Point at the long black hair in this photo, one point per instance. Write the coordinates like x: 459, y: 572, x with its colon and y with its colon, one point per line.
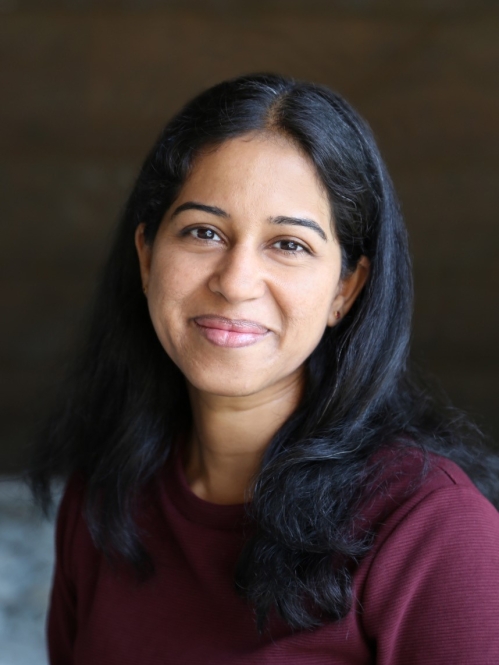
x: 125, y: 403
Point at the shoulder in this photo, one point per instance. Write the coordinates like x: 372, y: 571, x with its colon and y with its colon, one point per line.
x: 446, y: 508
x: 71, y: 505
x: 72, y: 534
x: 442, y: 490
x: 407, y: 477
x: 436, y: 504
x: 433, y: 573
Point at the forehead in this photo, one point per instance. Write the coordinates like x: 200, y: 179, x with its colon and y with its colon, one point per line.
x: 265, y: 171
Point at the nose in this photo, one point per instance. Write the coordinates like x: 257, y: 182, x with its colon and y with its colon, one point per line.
x: 238, y: 276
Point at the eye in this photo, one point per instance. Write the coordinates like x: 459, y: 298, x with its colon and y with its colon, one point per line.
x: 291, y: 247
x: 202, y: 233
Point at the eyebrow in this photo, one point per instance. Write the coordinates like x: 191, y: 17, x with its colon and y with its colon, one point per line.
x: 281, y: 219
x: 299, y: 221
x: 191, y: 205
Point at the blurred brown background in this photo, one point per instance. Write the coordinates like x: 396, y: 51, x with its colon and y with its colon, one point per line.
x: 86, y: 86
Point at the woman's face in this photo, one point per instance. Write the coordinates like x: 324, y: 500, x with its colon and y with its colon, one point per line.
x: 243, y: 275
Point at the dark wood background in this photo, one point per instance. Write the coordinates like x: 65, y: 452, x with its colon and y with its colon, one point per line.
x: 86, y: 86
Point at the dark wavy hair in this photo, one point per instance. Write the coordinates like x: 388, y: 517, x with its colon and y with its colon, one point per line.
x: 125, y: 404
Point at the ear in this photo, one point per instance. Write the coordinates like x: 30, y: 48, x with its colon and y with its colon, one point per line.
x: 348, y: 290
x: 144, y: 252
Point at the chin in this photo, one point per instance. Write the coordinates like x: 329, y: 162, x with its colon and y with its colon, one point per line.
x: 224, y: 386
x: 224, y: 390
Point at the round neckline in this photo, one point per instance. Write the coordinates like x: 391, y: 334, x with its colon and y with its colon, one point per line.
x: 195, y: 509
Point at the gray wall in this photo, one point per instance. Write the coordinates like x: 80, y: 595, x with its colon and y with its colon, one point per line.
x: 86, y: 86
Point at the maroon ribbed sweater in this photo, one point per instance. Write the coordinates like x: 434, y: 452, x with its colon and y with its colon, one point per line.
x: 427, y: 593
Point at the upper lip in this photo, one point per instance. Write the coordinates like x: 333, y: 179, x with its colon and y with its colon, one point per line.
x: 232, y: 325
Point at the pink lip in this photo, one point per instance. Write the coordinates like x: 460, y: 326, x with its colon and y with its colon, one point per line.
x: 231, y: 333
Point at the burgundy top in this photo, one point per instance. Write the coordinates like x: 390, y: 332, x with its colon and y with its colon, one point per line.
x: 427, y: 593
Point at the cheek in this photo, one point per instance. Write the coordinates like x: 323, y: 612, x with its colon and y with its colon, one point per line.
x: 308, y: 306
x: 171, y: 280
x: 167, y: 289
x: 313, y: 295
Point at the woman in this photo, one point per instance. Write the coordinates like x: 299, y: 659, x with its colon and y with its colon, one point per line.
x: 255, y: 474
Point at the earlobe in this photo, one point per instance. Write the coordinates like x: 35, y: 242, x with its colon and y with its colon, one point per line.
x: 144, y: 255
x: 348, y: 291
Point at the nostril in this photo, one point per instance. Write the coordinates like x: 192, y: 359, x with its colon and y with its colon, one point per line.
x: 237, y: 278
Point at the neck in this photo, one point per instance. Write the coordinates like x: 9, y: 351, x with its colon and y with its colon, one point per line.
x: 229, y: 438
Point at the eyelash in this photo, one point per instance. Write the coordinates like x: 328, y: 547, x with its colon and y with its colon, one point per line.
x: 293, y: 252
x: 190, y: 232
x: 290, y: 252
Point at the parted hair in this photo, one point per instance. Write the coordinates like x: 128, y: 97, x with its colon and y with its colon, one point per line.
x: 124, y: 404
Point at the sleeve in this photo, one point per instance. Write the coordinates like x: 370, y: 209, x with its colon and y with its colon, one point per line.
x: 432, y: 593
x: 61, y: 621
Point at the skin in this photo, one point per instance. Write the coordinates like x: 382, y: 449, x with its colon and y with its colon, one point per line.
x: 242, y: 261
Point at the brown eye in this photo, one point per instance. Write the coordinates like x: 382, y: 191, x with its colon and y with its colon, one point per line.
x: 202, y: 233
x: 290, y: 246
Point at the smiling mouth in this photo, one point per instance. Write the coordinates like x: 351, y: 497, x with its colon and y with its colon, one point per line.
x: 231, y: 333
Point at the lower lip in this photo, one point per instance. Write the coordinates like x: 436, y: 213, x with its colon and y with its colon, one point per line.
x: 230, y: 338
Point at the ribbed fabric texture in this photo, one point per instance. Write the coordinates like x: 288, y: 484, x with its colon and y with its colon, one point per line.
x: 427, y: 594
